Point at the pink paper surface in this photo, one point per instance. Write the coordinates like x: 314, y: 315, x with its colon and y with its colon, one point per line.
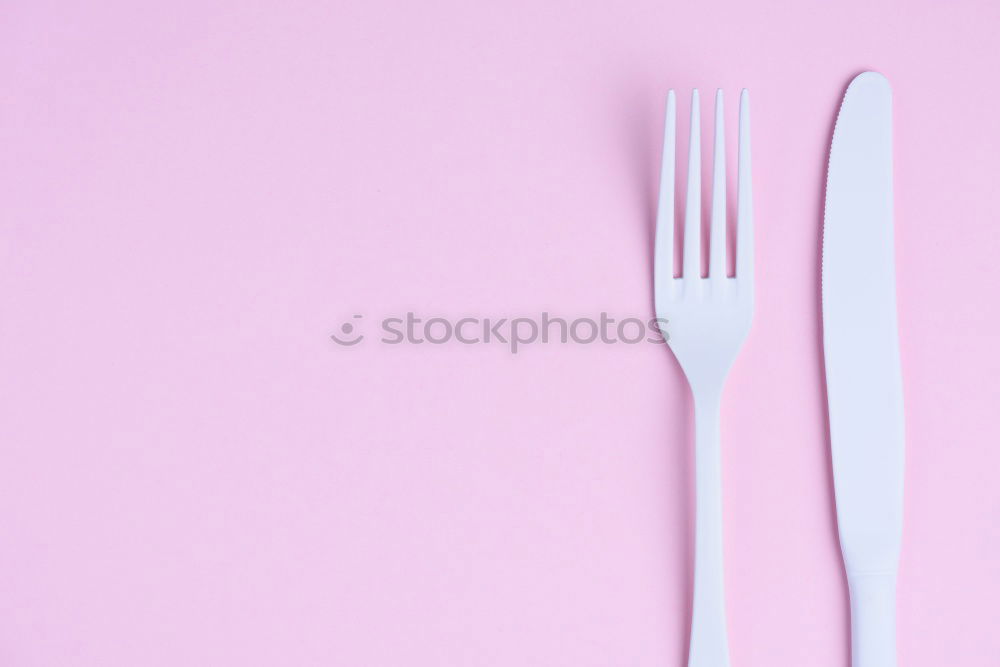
x: 196, y: 195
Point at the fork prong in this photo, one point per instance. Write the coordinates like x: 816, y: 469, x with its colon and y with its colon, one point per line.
x: 663, y: 260
x: 717, y: 242
x: 744, y: 197
x: 692, y: 214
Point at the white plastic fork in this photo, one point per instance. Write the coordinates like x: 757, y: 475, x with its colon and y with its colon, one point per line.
x: 707, y: 321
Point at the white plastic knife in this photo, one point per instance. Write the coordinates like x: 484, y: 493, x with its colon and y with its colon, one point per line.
x: 861, y: 346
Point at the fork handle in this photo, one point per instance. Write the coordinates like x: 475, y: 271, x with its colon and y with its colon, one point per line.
x: 873, y: 619
x: 709, y: 640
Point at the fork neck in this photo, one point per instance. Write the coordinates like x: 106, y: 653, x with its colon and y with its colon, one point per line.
x: 707, y: 399
x: 707, y: 412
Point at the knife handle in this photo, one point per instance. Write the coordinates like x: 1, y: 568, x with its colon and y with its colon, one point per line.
x: 873, y: 619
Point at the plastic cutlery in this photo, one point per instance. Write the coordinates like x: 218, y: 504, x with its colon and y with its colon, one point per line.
x: 707, y: 321
x: 861, y: 346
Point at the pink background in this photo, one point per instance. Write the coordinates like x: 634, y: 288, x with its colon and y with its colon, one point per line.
x: 196, y: 194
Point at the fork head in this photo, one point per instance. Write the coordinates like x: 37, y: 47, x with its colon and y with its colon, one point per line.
x: 708, y: 318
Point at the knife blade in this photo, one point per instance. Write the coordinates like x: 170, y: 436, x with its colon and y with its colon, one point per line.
x: 863, y: 376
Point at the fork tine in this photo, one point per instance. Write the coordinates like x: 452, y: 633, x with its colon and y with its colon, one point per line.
x: 717, y: 243
x: 744, y: 196
x: 663, y: 268
x: 692, y: 215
